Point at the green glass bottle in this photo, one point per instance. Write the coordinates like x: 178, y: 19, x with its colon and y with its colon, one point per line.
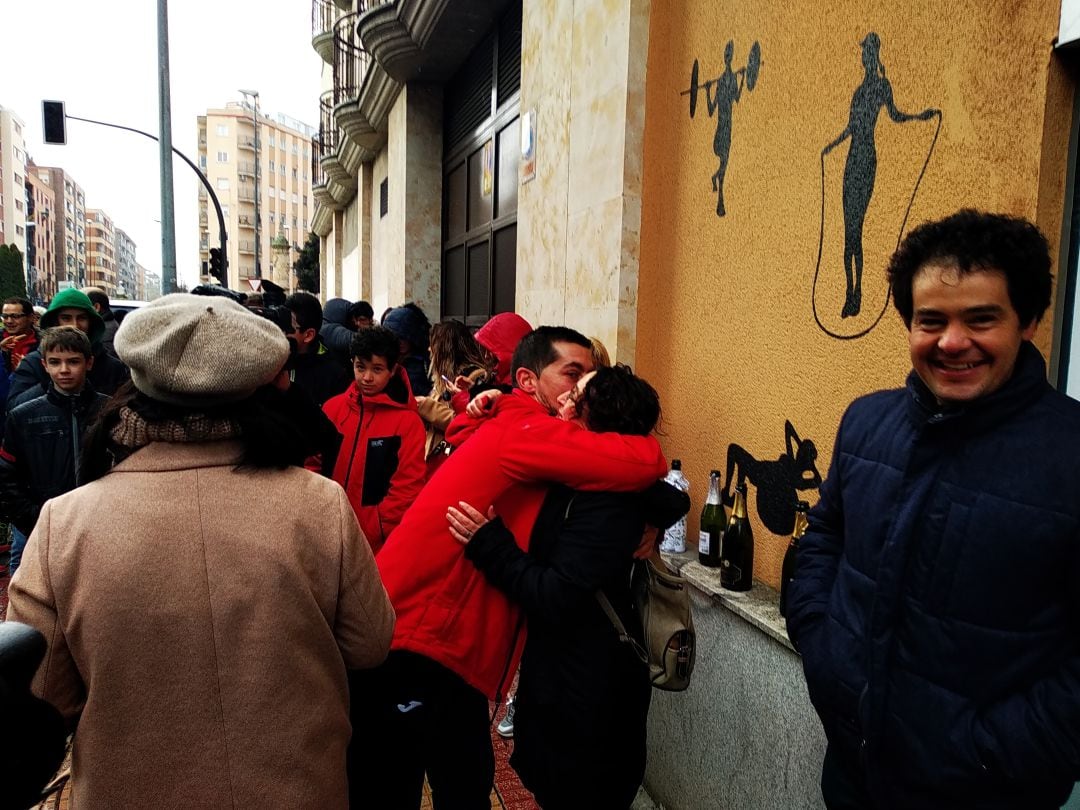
x: 787, y: 570
x: 713, y: 520
x: 737, y: 554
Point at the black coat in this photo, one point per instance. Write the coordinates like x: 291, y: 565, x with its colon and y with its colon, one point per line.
x: 936, y: 601
x: 319, y: 373
x: 583, y: 695
x: 41, y: 452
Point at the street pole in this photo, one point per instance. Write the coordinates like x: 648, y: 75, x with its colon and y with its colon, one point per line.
x: 168, y: 217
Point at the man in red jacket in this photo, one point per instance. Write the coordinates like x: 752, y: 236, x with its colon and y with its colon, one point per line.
x: 381, y: 461
x: 457, y: 638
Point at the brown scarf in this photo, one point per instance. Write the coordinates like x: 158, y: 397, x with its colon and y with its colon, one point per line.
x: 133, y: 432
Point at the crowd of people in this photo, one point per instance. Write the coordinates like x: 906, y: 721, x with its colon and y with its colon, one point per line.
x: 293, y: 560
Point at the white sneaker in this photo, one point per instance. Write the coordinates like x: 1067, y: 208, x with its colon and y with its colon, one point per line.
x: 506, y: 725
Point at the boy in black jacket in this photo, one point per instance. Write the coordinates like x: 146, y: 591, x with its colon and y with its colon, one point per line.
x: 39, y: 458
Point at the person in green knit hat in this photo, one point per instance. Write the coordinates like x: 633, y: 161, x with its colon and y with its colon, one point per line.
x: 68, y: 308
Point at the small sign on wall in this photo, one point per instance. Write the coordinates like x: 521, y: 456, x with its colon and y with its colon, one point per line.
x: 528, y: 146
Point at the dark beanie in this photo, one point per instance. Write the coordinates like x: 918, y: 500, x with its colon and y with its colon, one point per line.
x: 409, y: 323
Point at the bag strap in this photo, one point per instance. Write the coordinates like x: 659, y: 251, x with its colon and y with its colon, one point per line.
x: 616, y: 622
x: 609, y: 611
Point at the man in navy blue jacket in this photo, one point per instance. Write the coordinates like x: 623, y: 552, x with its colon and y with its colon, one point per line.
x: 936, y: 602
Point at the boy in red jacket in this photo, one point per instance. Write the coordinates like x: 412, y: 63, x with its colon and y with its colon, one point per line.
x: 381, y: 462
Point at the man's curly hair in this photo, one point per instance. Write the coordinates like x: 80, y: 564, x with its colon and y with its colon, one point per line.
x: 973, y: 241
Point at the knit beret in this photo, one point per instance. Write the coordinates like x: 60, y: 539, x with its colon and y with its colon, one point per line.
x: 199, y: 351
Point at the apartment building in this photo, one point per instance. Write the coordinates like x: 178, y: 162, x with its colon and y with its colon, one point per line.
x: 151, y: 285
x: 12, y: 180
x: 101, y: 251
x: 69, y: 228
x: 126, y: 267
x: 40, y: 238
x: 260, y: 169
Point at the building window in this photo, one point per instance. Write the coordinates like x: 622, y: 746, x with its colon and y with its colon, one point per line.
x: 222, y: 157
x: 294, y: 173
x: 384, y: 197
x: 272, y: 165
x: 281, y: 169
x: 225, y: 211
x: 281, y: 194
x: 273, y: 143
x: 223, y: 183
x: 19, y: 230
x: 202, y: 161
x: 18, y: 205
x: 223, y: 130
x: 294, y: 200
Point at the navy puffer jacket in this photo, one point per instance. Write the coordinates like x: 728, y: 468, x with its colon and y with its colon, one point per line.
x: 937, y: 597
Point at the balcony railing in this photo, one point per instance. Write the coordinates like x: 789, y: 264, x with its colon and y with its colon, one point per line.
x: 318, y: 176
x: 246, y: 143
x: 246, y: 194
x: 327, y: 127
x: 246, y: 221
x: 246, y: 247
x: 350, y: 59
x: 246, y: 169
x: 322, y: 17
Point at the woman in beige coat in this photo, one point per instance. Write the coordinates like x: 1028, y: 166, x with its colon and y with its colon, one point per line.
x: 202, y: 600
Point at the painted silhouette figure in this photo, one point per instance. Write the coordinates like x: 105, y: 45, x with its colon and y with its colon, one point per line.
x: 860, y: 169
x: 776, y: 482
x: 721, y: 95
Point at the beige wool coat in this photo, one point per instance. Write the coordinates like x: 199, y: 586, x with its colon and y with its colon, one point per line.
x: 200, y: 621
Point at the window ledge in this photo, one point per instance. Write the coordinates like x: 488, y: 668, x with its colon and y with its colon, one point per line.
x: 760, y: 606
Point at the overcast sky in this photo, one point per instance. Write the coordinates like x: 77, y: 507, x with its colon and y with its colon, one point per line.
x: 101, y: 59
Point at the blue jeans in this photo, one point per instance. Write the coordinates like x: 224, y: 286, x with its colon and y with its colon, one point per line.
x: 18, y: 543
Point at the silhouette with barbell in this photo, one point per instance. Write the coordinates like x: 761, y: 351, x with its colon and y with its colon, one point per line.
x: 721, y: 94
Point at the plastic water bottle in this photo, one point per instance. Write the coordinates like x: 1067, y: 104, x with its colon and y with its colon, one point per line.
x: 674, y: 541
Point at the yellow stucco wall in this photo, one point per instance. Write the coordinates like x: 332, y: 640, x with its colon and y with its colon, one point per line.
x: 726, y: 330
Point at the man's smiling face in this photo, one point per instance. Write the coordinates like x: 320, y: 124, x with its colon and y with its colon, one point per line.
x: 965, y: 334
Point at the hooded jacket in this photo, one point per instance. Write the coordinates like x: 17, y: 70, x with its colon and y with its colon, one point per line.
x: 319, y: 373
x: 936, y: 600
x: 500, y: 336
x: 106, y: 376
x: 381, y: 461
x: 446, y: 610
x: 39, y: 458
x: 336, y: 333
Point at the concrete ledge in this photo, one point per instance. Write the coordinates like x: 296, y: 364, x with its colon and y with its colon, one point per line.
x: 760, y: 605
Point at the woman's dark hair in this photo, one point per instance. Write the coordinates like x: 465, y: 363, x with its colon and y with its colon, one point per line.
x: 453, y: 350
x: 269, y: 424
x: 617, y: 401
x: 975, y: 241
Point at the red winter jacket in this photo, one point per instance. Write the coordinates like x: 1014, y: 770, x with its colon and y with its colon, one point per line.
x: 381, y: 461
x: 445, y: 608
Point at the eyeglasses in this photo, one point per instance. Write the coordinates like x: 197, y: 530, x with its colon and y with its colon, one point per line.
x: 8, y: 316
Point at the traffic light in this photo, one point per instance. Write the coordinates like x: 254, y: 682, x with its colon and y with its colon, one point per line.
x: 217, y: 264
x: 55, y: 121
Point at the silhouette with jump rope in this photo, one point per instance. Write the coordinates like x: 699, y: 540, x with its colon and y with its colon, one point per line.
x: 860, y: 170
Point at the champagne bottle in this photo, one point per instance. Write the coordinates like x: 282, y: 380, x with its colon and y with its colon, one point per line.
x: 713, y: 518
x: 674, y: 541
x: 787, y: 570
x: 737, y: 554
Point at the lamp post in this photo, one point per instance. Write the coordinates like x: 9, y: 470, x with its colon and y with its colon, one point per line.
x: 255, y: 119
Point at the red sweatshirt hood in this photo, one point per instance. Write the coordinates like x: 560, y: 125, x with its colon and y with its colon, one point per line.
x: 500, y: 336
x: 397, y: 394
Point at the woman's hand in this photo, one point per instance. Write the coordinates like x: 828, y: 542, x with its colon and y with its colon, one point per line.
x: 649, y: 543
x: 480, y: 406
x: 465, y: 522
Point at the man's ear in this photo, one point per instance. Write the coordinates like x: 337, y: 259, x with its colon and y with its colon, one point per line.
x: 89, y: 362
x: 526, y: 380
